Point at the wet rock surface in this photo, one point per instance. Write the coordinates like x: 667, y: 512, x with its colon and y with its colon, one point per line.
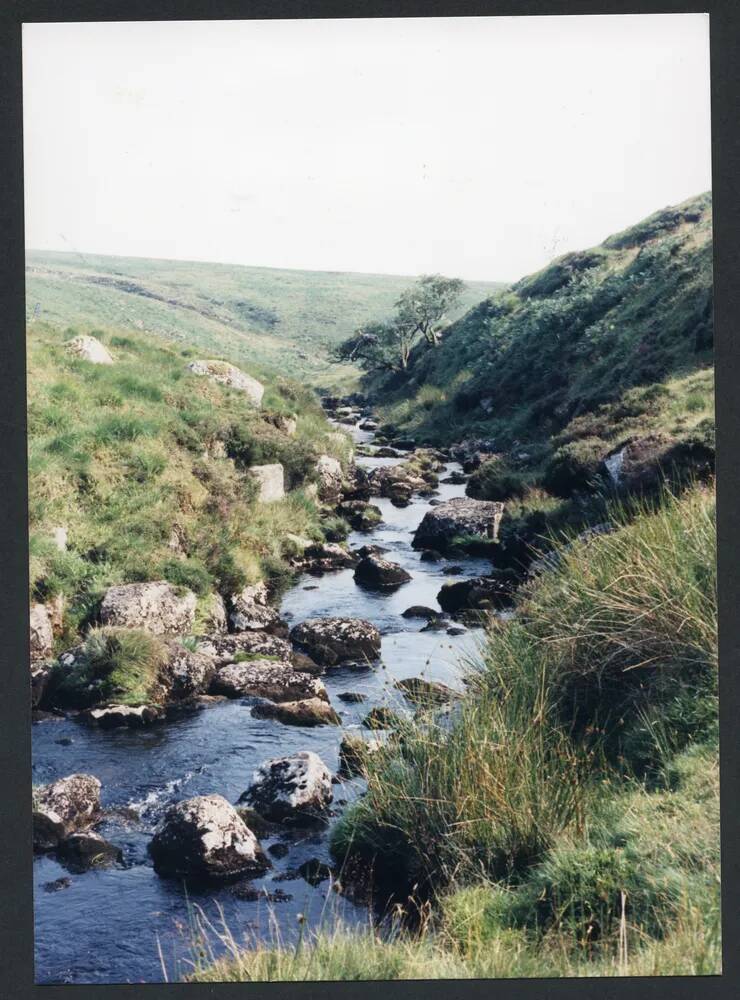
x: 380, y: 574
x: 82, y: 851
x: 307, y: 712
x: 63, y: 807
x: 297, y: 788
x: 271, y: 679
x: 478, y: 594
x: 331, y: 641
x: 205, y: 836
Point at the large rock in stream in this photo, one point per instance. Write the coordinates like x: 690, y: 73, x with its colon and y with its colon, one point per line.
x: 458, y: 518
x: 83, y: 851
x: 326, y: 558
x: 119, y: 716
x: 480, y: 593
x: 223, y: 649
x: 334, y: 641
x: 361, y: 515
x: 296, y: 788
x: 65, y: 806
x: 206, y: 836
x: 271, y: 679
x: 306, y: 712
x: 377, y: 573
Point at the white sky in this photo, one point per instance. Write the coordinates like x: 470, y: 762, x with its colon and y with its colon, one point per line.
x: 476, y: 147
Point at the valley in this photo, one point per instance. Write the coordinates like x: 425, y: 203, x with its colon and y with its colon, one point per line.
x: 399, y: 593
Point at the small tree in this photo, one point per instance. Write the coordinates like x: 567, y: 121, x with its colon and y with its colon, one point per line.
x: 424, y: 306
x: 379, y: 346
x: 421, y: 313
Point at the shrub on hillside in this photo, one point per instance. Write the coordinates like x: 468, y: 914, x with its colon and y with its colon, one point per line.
x: 498, y: 480
x: 575, y: 467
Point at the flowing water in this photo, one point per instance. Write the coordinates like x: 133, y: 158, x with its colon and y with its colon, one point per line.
x: 111, y: 925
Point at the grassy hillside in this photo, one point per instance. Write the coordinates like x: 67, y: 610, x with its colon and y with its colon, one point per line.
x: 579, y: 350
x: 144, y: 464
x: 261, y: 317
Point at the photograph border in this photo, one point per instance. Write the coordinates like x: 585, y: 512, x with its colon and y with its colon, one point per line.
x: 16, y: 905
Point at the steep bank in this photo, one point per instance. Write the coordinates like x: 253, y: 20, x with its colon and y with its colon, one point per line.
x: 592, y: 377
x: 593, y: 347
x: 143, y: 470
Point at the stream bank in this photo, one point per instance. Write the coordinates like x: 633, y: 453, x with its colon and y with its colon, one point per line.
x: 217, y: 749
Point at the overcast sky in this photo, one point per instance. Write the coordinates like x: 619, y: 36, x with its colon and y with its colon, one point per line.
x: 475, y: 147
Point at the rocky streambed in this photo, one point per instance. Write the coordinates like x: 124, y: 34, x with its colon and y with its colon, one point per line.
x: 109, y: 922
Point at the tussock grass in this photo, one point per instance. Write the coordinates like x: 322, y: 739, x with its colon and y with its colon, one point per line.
x: 575, y: 792
x: 612, y: 653
x: 455, y: 943
x: 113, y: 664
x: 629, y: 624
x: 489, y: 794
x: 530, y: 847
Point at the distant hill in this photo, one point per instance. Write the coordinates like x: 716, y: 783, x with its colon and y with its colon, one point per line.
x: 570, y: 352
x: 264, y: 318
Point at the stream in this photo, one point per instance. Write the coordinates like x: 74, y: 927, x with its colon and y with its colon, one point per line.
x: 110, y: 925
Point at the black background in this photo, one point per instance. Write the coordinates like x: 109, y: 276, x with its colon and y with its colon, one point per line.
x: 16, y: 904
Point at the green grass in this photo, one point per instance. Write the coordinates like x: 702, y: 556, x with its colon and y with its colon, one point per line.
x: 629, y: 621
x: 267, y: 319
x: 119, y: 665
x: 611, y: 655
x: 563, y: 351
x: 123, y: 454
x: 530, y: 832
